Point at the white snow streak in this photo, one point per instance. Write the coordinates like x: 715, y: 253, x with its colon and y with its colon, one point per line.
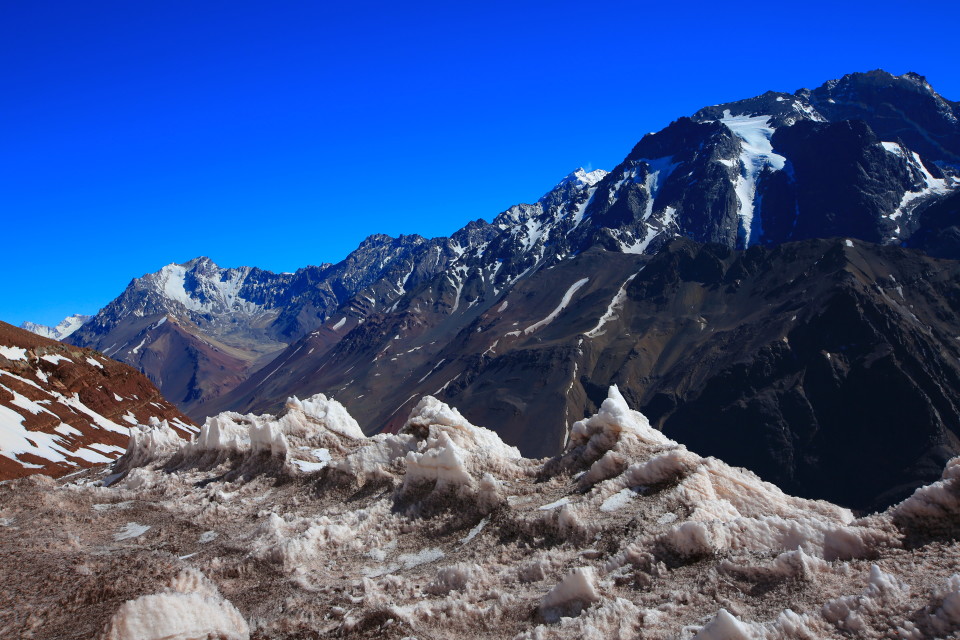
x: 755, y: 155
x: 431, y: 371
x: 611, y: 312
x: 563, y: 305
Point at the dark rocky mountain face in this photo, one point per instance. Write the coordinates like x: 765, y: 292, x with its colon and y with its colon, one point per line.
x: 939, y: 228
x: 516, y: 317
x: 63, y: 408
x: 902, y: 108
x: 198, y: 330
x: 648, y: 198
x: 842, y: 160
x: 827, y: 366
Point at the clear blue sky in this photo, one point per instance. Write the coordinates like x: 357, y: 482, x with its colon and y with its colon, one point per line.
x: 280, y: 134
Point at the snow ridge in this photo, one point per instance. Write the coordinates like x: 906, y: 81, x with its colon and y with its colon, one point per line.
x: 64, y: 328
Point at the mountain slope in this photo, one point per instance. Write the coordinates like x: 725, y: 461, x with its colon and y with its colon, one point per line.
x: 197, y: 329
x: 781, y: 349
x: 64, y: 408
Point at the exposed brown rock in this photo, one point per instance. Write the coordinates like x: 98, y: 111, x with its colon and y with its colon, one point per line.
x: 70, y: 406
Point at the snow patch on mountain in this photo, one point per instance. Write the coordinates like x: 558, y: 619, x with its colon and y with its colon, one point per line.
x: 13, y: 353
x: 611, y: 313
x: 583, y: 178
x: 172, y: 283
x: 17, y: 440
x: 929, y: 185
x: 567, y: 297
x: 756, y: 155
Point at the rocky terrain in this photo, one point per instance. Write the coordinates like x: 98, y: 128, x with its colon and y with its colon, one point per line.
x: 63, y: 408
x: 302, y: 527
x: 780, y: 350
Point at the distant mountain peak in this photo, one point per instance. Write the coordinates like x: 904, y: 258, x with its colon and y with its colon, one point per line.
x: 63, y: 329
x: 375, y: 239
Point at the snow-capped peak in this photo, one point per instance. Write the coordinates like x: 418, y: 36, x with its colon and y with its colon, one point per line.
x: 171, y: 282
x: 201, y: 285
x: 583, y: 178
x: 63, y: 329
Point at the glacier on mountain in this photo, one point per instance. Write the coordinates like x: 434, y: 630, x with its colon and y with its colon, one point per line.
x: 756, y: 155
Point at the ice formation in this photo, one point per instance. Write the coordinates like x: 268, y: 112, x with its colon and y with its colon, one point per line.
x: 300, y: 526
x: 321, y: 411
x: 147, y: 443
x: 191, y: 609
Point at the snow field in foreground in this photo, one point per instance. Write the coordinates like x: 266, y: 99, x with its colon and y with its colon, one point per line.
x: 300, y: 525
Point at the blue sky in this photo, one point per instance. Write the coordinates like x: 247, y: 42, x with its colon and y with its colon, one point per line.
x: 280, y: 134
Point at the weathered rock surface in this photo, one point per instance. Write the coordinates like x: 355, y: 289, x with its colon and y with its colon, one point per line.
x: 63, y: 408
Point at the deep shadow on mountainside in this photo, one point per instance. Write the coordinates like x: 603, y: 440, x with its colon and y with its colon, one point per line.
x: 834, y: 368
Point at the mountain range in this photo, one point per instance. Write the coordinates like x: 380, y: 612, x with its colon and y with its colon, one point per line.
x: 770, y: 280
